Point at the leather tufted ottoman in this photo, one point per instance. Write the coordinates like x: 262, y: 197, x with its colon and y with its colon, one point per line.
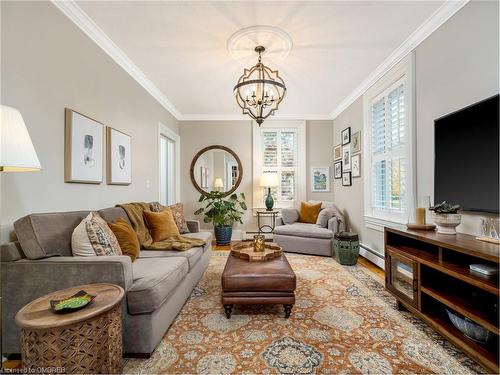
x: 258, y: 283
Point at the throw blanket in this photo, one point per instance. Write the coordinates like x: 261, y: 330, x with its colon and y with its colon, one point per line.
x: 135, y: 214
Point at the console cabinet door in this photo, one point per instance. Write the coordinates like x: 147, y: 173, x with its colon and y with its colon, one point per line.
x: 402, y: 277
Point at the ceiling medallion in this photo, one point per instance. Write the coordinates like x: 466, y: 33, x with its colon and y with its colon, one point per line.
x: 259, y: 90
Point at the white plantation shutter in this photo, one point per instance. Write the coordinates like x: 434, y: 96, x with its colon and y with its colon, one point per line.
x: 388, y: 151
x: 279, y: 148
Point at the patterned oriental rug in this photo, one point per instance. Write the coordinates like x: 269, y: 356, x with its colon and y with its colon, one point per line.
x: 343, y: 322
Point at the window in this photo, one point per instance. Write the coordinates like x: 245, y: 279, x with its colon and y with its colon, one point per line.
x: 279, y: 147
x: 169, y: 150
x: 388, y: 149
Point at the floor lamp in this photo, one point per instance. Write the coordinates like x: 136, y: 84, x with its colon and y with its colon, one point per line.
x: 17, y: 154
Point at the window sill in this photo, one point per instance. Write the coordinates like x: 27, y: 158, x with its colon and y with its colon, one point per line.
x: 378, y: 224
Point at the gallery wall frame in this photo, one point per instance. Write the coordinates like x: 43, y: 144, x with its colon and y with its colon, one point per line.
x: 83, y: 148
x: 118, y: 157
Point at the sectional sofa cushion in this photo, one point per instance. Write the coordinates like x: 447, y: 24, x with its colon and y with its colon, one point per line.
x: 154, y: 279
x: 48, y: 234
x: 161, y: 225
x: 289, y: 215
x: 324, y: 215
x: 177, y: 212
x: 127, y: 238
x: 112, y: 214
x: 303, y: 230
x: 192, y: 255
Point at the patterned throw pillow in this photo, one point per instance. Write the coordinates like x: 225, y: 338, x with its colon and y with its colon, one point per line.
x: 101, y: 237
x: 178, y: 213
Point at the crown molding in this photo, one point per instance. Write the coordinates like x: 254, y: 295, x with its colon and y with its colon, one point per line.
x: 439, y: 17
x: 76, y: 14
x: 240, y: 117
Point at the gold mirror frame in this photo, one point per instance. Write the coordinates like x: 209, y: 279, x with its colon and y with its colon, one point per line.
x: 216, y: 147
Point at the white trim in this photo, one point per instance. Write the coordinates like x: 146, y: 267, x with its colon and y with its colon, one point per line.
x: 404, y: 70
x: 176, y: 138
x: 76, y: 14
x: 378, y: 224
x: 240, y: 117
x: 300, y: 127
x: 439, y: 17
x: 370, y: 255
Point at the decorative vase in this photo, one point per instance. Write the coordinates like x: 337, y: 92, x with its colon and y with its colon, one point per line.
x: 447, y: 223
x: 259, y: 243
x: 223, y: 235
x: 269, y: 201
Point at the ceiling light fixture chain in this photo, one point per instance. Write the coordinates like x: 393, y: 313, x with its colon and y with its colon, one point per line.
x: 259, y: 90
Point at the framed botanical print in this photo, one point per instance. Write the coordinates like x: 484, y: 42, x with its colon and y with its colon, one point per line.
x: 356, y: 142
x: 346, y: 179
x: 320, y: 179
x: 346, y: 136
x: 83, y: 148
x: 119, y: 158
x: 337, y: 152
x: 346, y: 158
x: 356, y: 165
x: 337, y: 170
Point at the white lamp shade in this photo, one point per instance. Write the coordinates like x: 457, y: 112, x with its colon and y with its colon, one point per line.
x: 17, y: 153
x: 269, y: 179
x: 218, y: 183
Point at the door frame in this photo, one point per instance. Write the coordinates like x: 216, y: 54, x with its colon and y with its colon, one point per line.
x: 165, y: 131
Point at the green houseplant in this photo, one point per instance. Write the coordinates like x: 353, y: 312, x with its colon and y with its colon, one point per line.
x: 446, y: 217
x: 223, y: 213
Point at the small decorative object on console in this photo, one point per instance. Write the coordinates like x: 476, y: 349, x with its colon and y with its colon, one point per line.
x: 75, y: 302
x: 484, y: 269
x: 469, y: 328
x: 446, y: 217
x: 417, y: 217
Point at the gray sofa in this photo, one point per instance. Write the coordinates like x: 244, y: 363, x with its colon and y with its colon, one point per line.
x: 157, y: 283
x: 314, y: 239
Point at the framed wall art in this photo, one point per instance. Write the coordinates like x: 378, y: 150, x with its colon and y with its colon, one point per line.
x: 83, y: 148
x: 346, y: 136
x: 337, y: 170
x: 119, y: 158
x: 356, y: 142
x: 337, y: 152
x: 356, y: 165
x: 320, y: 179
x: 346, y: 179
x: 346, y: 158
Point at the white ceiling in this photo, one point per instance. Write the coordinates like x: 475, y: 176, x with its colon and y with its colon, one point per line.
x: 181, y: 47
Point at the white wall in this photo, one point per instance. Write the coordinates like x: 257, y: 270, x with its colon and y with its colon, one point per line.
x: 237, y: 135
x: 455, y: 66
x: 48, y: 64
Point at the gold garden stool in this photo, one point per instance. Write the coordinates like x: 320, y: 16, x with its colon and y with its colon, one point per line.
x: 84, y: 341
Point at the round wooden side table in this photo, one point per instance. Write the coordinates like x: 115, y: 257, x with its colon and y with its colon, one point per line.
x: 84, y: 341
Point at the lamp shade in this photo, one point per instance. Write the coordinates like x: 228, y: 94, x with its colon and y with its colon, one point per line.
x: 269, y: 179
x: 218, y: 183
x: 17, y: 153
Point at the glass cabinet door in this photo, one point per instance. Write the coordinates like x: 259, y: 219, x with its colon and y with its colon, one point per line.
x: 402, y: 278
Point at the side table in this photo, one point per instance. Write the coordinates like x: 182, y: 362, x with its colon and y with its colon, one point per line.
x: 84, y: 341
x: 267, y: 228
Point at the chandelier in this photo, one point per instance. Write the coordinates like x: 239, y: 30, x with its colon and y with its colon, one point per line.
x: 259, y: 90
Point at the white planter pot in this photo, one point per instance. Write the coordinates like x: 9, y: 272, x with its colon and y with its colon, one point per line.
x: 447, y: 223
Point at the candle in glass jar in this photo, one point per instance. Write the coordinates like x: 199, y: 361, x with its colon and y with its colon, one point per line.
x: 420, y: 215
x: 259, y: 243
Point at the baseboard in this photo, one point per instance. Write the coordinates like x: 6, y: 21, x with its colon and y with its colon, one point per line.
x: 372, y: 255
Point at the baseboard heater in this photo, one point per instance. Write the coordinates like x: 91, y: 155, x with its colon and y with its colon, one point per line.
x: 370, y: 250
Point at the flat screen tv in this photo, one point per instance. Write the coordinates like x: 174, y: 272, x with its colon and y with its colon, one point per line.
x: 466, y: 157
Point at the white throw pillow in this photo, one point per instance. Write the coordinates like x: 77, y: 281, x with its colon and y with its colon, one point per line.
x: 80, y: 242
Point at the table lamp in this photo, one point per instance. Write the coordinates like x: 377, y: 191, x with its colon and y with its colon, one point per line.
x: 269, y: 180
x: 17, y: 153
x: 218, y: 184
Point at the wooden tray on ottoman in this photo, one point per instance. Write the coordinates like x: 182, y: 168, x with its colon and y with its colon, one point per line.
x: 245, y: 250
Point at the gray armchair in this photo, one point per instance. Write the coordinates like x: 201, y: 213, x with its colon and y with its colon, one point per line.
x: 315, y: 239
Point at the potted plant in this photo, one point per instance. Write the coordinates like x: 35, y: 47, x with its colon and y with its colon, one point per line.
x: 446, y: 217
x: 223, y: 213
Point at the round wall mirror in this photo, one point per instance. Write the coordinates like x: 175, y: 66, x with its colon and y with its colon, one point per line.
x: 216, y: 168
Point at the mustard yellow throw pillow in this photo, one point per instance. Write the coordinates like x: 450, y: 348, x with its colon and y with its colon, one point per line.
x: 127, y: 238
x: 309, y: 212
x: 161, y: 225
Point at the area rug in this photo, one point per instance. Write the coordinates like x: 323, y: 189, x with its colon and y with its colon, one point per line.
x: 343, y: 322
